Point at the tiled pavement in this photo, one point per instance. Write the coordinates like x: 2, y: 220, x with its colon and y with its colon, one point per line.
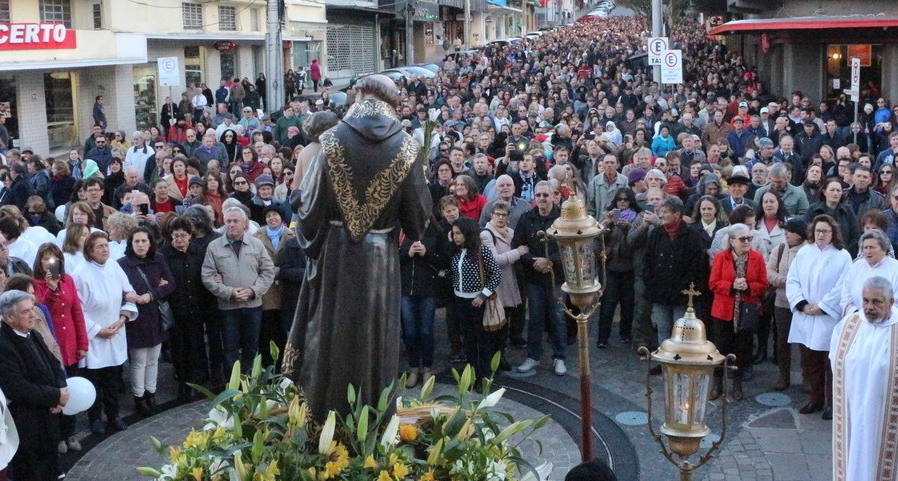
x: 763, y: 442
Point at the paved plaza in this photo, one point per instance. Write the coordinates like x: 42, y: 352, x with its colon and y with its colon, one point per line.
x: 766, y: 438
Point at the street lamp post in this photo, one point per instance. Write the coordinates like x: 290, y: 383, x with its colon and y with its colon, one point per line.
x: 575, y: 232
x: 688, y: 361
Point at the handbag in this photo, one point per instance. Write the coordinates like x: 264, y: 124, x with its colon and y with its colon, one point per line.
x: 769, y: 296
x: 493, y: 313
x: 749, y: 318
x: 165, y: 312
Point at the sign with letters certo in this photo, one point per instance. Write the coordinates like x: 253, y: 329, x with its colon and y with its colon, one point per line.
x: 656, y: 47
x: 36, y: 36
x: 672, y: 67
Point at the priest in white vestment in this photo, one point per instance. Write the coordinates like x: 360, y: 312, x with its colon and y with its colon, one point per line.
x: 865, y: 388
x: 875, y: 262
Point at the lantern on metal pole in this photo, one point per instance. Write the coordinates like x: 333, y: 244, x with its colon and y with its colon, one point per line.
x: 575, y: 233
x: 688, y: 361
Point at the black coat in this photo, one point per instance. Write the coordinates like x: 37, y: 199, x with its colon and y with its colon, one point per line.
x: 147, y: 330
x: 31, y: 381
x: 291, y: 263
x: 525, y: 233
x: 19, y: 192
x: 421, y: 274
x: 671, y: 265
x: 191, y: 301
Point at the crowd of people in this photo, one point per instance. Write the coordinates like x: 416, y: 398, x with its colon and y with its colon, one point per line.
x: 776, y: 208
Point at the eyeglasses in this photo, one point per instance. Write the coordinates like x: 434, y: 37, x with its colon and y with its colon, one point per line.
x: 160, y: 146
x: 541, y: 195
x: 240, y: 182
x: 823, y: 231
x: 745, y: 239
x: 500, y: 214
x: 623, y: 199
x: 180, y: 236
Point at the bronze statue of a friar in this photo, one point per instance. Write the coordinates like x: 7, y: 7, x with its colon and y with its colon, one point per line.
x: 364, y: 185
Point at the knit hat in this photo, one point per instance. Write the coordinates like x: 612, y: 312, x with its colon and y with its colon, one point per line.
x: 195, y: 180
x: 765, y: 142
x: 264, y: 179
x: 90, y: 168
x: 635, y: 175
x: 797, y: 226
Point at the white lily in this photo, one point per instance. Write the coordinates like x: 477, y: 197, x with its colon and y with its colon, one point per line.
x: 218, y: 417
x: 391, y: 434
x: 491, y: 400
x: 327, y: 434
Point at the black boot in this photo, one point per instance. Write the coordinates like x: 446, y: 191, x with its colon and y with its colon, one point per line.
x: 150, y: 399
x: 140, y: 405
x: 761, y: 356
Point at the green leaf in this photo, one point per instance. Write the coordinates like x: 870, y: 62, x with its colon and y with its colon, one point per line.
x: 383, y: 403
x: 454, y: 423
x: 258, y: 447
x: 511, y: 430
x: 542, y: 422
x: 153, y: 473
x: 362, y: 431
x: 225, y: 395
x: 238, y: 426
x: 257, y: 367
x: 456, y: 375
x: 202, y: 390
x: 467, y: 377
x: 524, y: 466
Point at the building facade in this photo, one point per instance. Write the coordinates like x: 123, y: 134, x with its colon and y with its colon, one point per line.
x: 92, y: 48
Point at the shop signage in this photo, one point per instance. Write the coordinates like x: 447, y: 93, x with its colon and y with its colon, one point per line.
x: 224, y: 46
x: 863, y: 52
x: 36, y: 36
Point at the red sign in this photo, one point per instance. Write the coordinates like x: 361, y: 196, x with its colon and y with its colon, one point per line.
x: 36, y: 36
x: 224, y: 46
x: 863, y: 52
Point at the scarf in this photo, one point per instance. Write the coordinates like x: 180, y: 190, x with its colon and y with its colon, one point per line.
x: 673, y: 230
x: 740, y: 261
x: 274, y: 235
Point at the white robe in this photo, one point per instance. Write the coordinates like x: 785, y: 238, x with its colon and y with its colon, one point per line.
x: 102, y: 291
x: 814, y: 277
x: 852, y: 283
x: 38, y: 235
x: 864, y: 377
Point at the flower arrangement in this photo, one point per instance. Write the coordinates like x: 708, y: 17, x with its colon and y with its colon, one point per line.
x: 259, y: 430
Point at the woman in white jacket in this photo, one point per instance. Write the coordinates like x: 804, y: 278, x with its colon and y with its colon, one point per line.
x: 108, y: 302
x: 812, y: 289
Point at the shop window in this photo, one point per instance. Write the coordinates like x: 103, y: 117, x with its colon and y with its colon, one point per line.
x: 4, y: 10
x: 227, y: 18
x: 145, y: 96
x: 56, y: 11
x: 193, y: 15
x: 61, y: 129
x: 193, y: 65
x: 304, y: 52
x: 228, y: 64
x: 8, y: 107
x: 838, y: 66
x: 98, y: 16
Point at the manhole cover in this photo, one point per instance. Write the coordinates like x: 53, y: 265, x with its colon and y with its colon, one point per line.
x: 709, y: 440
x: 632, y: 418
x: 774, y: 399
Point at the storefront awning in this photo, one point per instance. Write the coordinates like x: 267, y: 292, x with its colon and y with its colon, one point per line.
x: 804, y: 23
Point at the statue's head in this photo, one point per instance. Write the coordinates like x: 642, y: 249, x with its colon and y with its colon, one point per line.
x: 379, y: 87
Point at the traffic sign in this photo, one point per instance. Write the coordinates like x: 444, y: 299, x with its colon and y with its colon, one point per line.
x: 855, y: 79
x: 169, y: 73
x: 656, y: 47
x: 672, y: 67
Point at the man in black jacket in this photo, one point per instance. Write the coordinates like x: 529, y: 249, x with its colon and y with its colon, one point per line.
x: 21, y: 189
x: 538, y: 286
x: 33, y: 381
x: 674, y: 259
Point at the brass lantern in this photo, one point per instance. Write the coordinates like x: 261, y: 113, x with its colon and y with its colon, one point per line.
x: 688, y: 361
x: 575, y: 232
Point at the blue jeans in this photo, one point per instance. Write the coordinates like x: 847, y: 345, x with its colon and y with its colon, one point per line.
x: 240, y: 333
x: 418, y: 313
x: 543, y: 309
x: 664, y: 316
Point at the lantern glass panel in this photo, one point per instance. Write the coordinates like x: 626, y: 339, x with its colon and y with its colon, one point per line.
x: 688, y: 394
x: 587, y: 263
x: 568, y: 262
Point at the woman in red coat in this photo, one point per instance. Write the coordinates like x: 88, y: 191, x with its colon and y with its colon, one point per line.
x: 56, y: 290
x: 738, y: 275
x: 470, y: 201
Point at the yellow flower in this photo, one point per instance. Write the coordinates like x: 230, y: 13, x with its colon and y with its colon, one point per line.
x: 313, y: 473
x: 198, y: 474
x: 196, y: 439
x: 407, y: 432
x: 370, y: 462
x: 384, y: 476
x: 428, y: 476
x: 400, y: 471
x: 269, y: 474
x: 173, y: 453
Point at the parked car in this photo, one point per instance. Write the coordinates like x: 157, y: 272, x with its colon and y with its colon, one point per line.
x: 429, y: 66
